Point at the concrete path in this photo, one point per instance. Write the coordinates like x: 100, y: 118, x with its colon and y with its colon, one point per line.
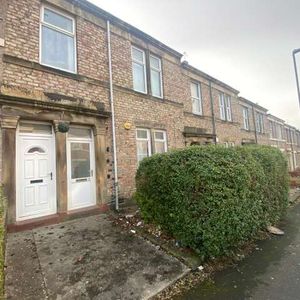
x: 272, y: 272
x: 88, y: 258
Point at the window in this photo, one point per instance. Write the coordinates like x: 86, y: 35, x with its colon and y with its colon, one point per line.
x: 160, y: 141
x: 139, y: 70
x: 156, y: 77
x: 259, y: 122
x: 196, y: 98
x: 143, y: 143
x: 58, y: 40
x: 225, y: 107
x: 246, y: 118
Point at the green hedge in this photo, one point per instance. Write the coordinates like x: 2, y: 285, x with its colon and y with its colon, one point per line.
x: 211, y: 198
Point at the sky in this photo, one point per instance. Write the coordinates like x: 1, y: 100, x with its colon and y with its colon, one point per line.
x: 247, y: 44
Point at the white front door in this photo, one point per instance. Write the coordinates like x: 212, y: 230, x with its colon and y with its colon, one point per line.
x: 81, y: 166
x: 36, y: 193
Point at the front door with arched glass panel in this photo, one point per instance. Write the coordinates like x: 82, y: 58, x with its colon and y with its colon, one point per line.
x: 36, y: 195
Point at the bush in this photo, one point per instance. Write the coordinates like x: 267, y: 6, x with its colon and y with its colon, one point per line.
x: 213, y: 199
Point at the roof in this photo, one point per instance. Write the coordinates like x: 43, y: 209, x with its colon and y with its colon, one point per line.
x: 97, y: 11
x: 208, y: 77
x: 276, y: 118
x: 253, y: 104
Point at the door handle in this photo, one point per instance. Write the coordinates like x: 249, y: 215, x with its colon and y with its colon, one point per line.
x: 51, y: 175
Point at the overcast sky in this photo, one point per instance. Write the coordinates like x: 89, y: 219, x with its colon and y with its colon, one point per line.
x: 247, y: 44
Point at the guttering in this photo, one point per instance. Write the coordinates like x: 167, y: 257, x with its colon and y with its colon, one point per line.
x: 112, y: 107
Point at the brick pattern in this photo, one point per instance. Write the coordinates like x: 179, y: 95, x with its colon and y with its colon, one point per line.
x: 172, y: 113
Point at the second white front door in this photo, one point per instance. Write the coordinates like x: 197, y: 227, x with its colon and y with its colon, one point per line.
x: 81, y: 166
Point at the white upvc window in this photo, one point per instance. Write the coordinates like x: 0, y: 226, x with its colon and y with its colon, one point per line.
x: 225, y: 107
x: 196, y: 98
x: 160, y: 141
x: 156, y: 77
x: 143, y: 140
x: 57, y: 40
x: 222, y: 106
x: 139, y: 70
x: 246, y: 118
x: 259, y: 122
x: 228, y: 108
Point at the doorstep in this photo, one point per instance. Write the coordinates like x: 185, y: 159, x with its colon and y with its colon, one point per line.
x: 56, y: 218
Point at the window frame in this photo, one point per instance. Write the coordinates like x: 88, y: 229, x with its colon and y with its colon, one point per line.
x: 198, y: 84
x: 225, y: 107
x: 259, y: 122
x: 139, y: 63
x: 160, y: 75
x: 148, y: 140
x: 246, y: 118
x: 164, y: 140
x: 58, y: 29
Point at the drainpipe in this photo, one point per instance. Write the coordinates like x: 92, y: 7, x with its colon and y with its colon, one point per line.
x: 212, y: 113
x: 254, y: 122
x: 111, y: 93
x: 292, y: 148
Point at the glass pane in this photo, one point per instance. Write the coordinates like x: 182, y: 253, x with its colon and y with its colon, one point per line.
x: 138, y: 55
x: 36, y: 149
x: 196, y: 106
x: 159, y: 135
x: 159, y: 147
x: 58, y: 49
x: 80, y: 160
x: 142, y: 148
x: 58, y: 20
x: 79, y: 132
x: 142, y: 134
x: 155, y: 83
x: 195, y: 90
x: 139, y: 83
x: 35, y: 128
x: 155, y: 62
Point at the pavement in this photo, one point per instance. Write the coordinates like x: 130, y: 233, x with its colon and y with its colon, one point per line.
x: 88, y: 258
x: 272, y: 272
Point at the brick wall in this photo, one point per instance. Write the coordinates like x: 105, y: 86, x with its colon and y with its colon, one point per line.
x: 24, y: 76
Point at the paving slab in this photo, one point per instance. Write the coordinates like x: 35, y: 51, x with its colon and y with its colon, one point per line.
x: 88, y: 258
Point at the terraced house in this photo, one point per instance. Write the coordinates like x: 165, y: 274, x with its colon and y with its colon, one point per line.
x: 85, y: 97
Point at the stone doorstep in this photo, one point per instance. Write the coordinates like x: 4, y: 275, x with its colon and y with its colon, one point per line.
x: 56, y: 218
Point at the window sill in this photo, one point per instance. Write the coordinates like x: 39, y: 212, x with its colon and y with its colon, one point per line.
x: 56, y: 69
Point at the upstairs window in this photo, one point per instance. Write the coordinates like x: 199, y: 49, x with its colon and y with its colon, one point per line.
x: 259, y: 122
x: 139, y: 70
x: 156, y: 76
x: 225, y: 107
x: 246, y: 118
x: 196, y: 98
x: 58, y: 40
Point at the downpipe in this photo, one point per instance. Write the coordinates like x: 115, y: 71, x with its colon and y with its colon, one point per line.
x: 111, y: 93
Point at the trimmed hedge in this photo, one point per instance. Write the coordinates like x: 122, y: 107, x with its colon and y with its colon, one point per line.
x: 211, y: 198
